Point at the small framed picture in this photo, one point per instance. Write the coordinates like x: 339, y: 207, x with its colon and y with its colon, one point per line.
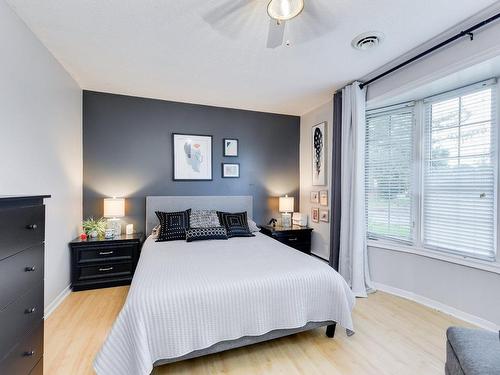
x: 230, y: 170
x: 192, y: 157
x: 315, y: 215
x: 323, y: 197
x: 314, y: 197
x: 230, y: 147
x: 324, y: 215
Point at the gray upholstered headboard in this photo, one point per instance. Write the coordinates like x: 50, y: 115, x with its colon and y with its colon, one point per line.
x: 180, y: 203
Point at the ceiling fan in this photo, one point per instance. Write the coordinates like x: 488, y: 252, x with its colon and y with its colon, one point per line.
x: 303, y: 20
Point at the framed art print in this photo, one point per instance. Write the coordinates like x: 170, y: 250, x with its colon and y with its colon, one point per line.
x: 192, y: 157
x: 230, y: 147
x: 324, y: 215
x: 323, y: 197
x: 315, y: 215
x: 230, y: 170
x: 318, y: 150
x: 314, y: 197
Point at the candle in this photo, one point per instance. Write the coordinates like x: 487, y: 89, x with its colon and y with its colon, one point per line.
x: 129, y: 229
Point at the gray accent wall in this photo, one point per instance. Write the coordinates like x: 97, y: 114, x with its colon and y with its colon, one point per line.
x: 127, y: 152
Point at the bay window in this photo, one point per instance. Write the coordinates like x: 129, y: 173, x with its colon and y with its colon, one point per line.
x: 431, y: 172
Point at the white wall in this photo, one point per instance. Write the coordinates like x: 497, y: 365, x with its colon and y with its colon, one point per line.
x: 321, y: 233
x: 41, y: 142
x: 471, y: 291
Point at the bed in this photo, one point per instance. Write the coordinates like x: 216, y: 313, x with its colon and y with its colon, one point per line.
x: 197, y: 298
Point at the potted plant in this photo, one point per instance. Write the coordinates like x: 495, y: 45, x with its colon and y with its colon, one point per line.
x: 94, y: 227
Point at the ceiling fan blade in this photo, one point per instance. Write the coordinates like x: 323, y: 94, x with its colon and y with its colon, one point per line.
x: 315, y: 21
x: 228, y: 8
x: 275, y: 34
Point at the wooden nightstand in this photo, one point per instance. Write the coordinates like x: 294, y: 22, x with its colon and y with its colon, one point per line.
x: 297, y: 237
x: 102, y: 263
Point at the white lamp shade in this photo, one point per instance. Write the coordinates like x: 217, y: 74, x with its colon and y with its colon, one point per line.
x: 286, y: 204
x: 114, y: 207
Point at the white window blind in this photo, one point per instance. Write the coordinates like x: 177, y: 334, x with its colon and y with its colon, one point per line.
x: 388, y: 172
x: 459, y: 178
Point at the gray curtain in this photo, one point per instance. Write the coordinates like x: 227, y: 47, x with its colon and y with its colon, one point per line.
x: 335, y: 201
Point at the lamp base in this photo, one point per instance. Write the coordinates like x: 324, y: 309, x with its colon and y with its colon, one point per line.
x: 116, y: 225
x: 286, y: 220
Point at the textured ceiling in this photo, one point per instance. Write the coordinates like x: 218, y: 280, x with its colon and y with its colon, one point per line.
x: 173, y: 50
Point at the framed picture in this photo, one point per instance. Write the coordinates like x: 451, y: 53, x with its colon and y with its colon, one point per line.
x: 230, y: 147
x: 318, y: 149
x: 315, y: 215
x: 230, y: 170
x: 324, y: 215
x: 314, y: 197
x: 323, y: 197
x: 192, y: 157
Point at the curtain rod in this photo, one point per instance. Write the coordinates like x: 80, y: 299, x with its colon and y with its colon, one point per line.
x: 468, y: 32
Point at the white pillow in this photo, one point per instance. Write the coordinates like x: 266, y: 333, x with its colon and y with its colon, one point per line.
x: 155, y: 232
x: 252, y: 225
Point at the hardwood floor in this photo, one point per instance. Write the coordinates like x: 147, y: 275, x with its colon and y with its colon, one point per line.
x: 393, y: 336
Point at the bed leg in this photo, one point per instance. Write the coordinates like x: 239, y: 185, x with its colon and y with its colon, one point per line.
x: 330, y: 330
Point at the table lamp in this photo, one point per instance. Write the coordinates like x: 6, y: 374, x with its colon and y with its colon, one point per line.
x: 114, y: 208
x: 286, y: 209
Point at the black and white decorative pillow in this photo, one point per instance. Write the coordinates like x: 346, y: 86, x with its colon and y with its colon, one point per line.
x: 236, y: 224
x: 204, y: 219
x: 214, y: 233
x: 173, y: 225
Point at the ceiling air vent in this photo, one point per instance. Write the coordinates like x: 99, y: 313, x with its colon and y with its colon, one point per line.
x: 367, y: 40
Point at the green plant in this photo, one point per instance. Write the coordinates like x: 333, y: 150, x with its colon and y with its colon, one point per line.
x: 94, y: 225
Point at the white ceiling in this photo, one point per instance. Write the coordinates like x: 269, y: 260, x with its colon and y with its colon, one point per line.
x: 166, y: 49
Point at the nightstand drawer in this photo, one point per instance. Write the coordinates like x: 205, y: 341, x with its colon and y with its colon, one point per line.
x: 26, y: 354
x: 105, y: 253
x: 105, y: 270
x: 20, y: 273
x: 293, y: 237
x: 21, y: 228
x: 20, y: 317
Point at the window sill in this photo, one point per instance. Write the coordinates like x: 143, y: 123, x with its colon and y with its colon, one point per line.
x: 493, y: 267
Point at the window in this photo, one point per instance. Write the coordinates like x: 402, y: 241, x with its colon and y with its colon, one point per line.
x: 459, y: 174
x: 431, y: 172
x: 388, y: 171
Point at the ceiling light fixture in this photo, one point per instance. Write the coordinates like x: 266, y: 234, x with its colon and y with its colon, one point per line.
x: 284, y: 10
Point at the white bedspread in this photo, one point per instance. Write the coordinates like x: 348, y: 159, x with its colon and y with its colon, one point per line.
x: 189, y: 296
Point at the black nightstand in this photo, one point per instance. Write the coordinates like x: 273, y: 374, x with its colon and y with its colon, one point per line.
x: 102, y: 263
x: 297, y: 237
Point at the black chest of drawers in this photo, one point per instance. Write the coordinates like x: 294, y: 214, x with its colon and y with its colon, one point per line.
x: 22, y: 228
x: 101, y: 263
x: 297, y: 237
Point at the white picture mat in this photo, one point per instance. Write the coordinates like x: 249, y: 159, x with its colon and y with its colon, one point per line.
x: 230, y: 147
x: 182, y: 169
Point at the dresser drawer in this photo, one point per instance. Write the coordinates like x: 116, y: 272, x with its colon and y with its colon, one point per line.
x: 19, y: 273
x: 106, y: 253
x: 105, y: 270
x: 25, y: 355
x: 20, y: 228
x: 38, y: 369
x: 20, y: 317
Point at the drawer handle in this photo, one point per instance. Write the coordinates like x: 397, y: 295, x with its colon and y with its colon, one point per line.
x: 105, y: 269
x: 106, y: 252
x: 30, y: 269
x: 31, y: 353
x: 30, y: 311
x: 293, y: 239
x: 32, y: 226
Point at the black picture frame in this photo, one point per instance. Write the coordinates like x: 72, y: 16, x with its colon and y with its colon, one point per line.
x: 222, y: 170
x: 174, y: 178
x: 224, y: 147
